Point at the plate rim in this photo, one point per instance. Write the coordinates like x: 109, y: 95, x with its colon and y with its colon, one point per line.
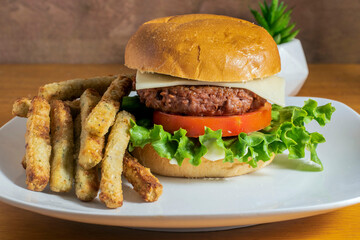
x: 182, y: 221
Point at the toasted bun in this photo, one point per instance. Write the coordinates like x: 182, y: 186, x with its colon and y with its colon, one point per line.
x: 149, y: 158
x: 203, y: 47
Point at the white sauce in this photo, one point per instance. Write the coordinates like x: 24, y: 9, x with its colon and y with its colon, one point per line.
x: 214, y: 152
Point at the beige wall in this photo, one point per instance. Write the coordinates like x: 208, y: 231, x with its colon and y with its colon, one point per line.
x: 96, y: 31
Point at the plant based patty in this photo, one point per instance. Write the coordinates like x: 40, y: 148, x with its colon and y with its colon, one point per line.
x: 201, y: 100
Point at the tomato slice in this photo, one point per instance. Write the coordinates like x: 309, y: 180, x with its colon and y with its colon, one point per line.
x: 230, y: 125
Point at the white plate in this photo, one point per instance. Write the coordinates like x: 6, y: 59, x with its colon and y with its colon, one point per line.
x: 278, y: 192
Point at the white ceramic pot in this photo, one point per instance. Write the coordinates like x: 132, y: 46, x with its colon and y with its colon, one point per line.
x: 294, y: 68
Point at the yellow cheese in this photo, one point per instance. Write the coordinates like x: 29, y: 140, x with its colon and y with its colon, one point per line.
x: 271, y: 88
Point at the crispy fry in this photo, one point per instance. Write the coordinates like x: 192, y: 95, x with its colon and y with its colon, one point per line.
x: 62, y: 158
x: 112, y: 163
x: 74, y: 106
x: 86, y: 181
x: 70, y: 89
x: 38, y: 148
x: 140, y: 177
x: 77, y: 133
x: 23, y: 161
x: 102, y: 117
x: 91, y: 146
x: 21, y: 107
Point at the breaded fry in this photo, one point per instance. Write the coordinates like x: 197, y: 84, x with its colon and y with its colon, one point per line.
x: 62, y: 139
x: 74, y: 106
x: 70, y: 89
x: 140, y: 177
x: 21, y: 107
x: 77, y: 133
x: 91, y: 146
x: 112, y: 163
x: 102, y: 117
x: 86, y: 181
x: 23, y: 161
x: 38, y: 148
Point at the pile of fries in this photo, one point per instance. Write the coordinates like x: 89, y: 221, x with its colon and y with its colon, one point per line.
x: 74, y: 128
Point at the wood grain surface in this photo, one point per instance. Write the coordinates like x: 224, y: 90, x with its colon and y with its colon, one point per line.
x: 96, y: 31
x: 338, y: 82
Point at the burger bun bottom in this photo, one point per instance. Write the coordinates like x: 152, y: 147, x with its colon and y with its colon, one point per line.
x: 213, y: 169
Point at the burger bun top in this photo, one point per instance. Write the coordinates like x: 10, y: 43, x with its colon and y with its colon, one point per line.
x: 203, y: 47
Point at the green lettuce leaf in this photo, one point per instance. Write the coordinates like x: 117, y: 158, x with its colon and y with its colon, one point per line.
x: 286, y: 132
x: 143, y: 115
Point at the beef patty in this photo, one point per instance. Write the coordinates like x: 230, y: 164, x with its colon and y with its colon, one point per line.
x: 201, y: 100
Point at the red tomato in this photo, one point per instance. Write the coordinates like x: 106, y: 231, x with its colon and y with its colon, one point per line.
x: 230, y: 125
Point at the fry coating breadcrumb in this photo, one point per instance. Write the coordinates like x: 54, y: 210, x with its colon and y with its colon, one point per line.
x: 140, y: 177
x: 70, y: 89
x: 102, y: 117
x: 77, y: 133
x: 91, y: 146
x: 38, y: 148
x: 112, y: 163
x: 23, y: 161
x: 62, y: 157
x: 74, y: 106
x: 86, y: 181
x: 21, y: 107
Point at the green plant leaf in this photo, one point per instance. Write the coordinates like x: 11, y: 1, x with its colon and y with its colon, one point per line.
x: 264, y: 10
x: 281, y: 23
x: 260, y: 19
x: 290, y: 37
x: 273, y: 7
x: 275, y: 19
x: 286, y: 31
x: 277, y: 38
x: 280, y: 10
x: 266, y: 6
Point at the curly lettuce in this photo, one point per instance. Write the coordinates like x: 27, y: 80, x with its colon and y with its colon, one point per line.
x: 286, y: 132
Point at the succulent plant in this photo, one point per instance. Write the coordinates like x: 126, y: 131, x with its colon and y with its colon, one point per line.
x: 276, y: 20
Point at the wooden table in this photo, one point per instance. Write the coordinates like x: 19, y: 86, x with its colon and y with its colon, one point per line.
x: 338, y: 82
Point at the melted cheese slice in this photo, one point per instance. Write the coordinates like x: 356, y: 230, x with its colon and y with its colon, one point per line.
x: 271, y: 88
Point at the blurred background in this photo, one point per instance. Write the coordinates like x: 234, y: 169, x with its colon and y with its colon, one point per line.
x: 96, y: 31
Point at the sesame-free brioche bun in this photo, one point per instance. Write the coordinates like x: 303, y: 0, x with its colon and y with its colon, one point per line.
x: 159, y: 165
x: 203, y: 47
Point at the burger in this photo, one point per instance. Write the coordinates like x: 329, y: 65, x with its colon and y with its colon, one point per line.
x: 207, y: 84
